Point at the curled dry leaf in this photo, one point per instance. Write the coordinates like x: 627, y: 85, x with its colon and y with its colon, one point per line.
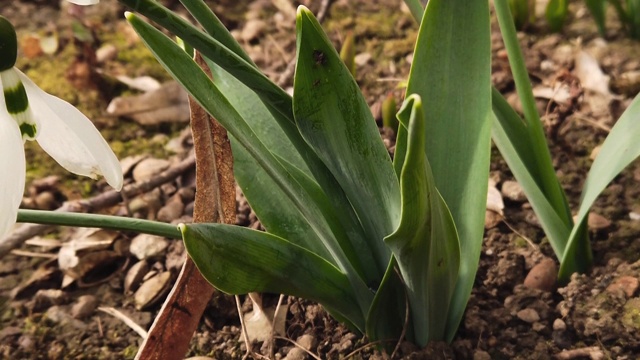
x: 153, y: 290
x: 134, y: 276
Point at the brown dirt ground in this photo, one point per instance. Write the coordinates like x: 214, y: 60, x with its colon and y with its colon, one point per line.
x: 504, y: 319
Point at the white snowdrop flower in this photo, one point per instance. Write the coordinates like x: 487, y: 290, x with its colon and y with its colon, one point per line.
x: 84, y: 2
x: 29, y: 113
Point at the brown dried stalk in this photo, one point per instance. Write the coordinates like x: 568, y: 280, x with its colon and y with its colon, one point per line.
x: 215, y: 201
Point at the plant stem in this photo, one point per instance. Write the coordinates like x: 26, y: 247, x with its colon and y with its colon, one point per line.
x: 99, y: 221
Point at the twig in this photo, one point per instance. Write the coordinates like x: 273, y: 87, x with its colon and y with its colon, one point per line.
x: 365, y: 346
x: 273, y: 327
x: 125, y: 319
x: 106, y: 199
x: 33, y: 254
x: 592, y: 352
x: 245, y: 334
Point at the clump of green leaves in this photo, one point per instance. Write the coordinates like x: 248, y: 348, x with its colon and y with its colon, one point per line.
x: 347, y: 226
x: 369, y: 238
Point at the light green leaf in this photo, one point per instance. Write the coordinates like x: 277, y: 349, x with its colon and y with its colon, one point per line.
x: 335, y: 120
x: 425, y: 244
x: 239, y: 260
x: 451, y: 71
x: 512, y: 139
x: 619, y: 149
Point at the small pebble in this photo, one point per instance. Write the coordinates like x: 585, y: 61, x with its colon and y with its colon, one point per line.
x: 513, y: 191
x: 559, y: 325
x: 84, y: 307
x: 528, y: 315
x: 481, y: 355
x: 542, y: 276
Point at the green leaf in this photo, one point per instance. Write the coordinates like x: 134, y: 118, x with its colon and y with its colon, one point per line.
x: 598, y: 8
x: 425, y: 244
x: 239, y: 260
x: 530, y: 138
x: 326, y: 222
x: 520, y: 12
x: 388, y: 315
x: 335, y: 120
x: 214, y: 27
x: 451, y: 72
x: 512, y: 139
x: 556, y: 14
x: 619, y: 149
x: 213, y: 49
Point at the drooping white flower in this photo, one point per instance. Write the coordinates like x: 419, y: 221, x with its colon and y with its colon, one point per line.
x: 29, y: 113
x: 84, y: 2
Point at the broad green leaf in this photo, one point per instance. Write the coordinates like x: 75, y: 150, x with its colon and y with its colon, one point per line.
x: 451, y: 71
x: 425, y: 244
x: 335, y: 120
x: 239, y: 260
x: 202, y: 89
x: 619, y: 149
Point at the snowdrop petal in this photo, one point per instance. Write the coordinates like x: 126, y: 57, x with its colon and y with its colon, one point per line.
x: 12, y: 169
x: 71, y: 138
x: 84, y: 2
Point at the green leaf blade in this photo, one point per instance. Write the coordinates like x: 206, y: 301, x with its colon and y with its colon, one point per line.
x: 335, y: 120
x: 619, y: 149
x: 451, y: 72
x: 425, y: 244
x: 239, y: 260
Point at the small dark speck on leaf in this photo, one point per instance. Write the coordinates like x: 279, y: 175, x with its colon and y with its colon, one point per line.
x: 319, y: 57
x: 316, y: 83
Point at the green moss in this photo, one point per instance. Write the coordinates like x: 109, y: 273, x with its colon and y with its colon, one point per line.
x: 631, y: 315
x: 136, y: 58
x: 130, y: 352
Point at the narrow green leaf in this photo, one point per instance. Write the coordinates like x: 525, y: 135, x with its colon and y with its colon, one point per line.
x: 425, y: 244
x: 387, y: 316
x: 416, y: 9
x: 619, y: 149
x: 556, y: 14
x: 451, y: 71
x: 214, y: 27
x: 511, y: 138
x: 534, y: 150
x: 213, y: 49
x: 239, y: 260
x: 520, y: 12
x: 598, y: 8
x: 335, y: 120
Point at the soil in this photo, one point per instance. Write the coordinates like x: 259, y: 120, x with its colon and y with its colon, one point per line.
x: 595, y: 316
